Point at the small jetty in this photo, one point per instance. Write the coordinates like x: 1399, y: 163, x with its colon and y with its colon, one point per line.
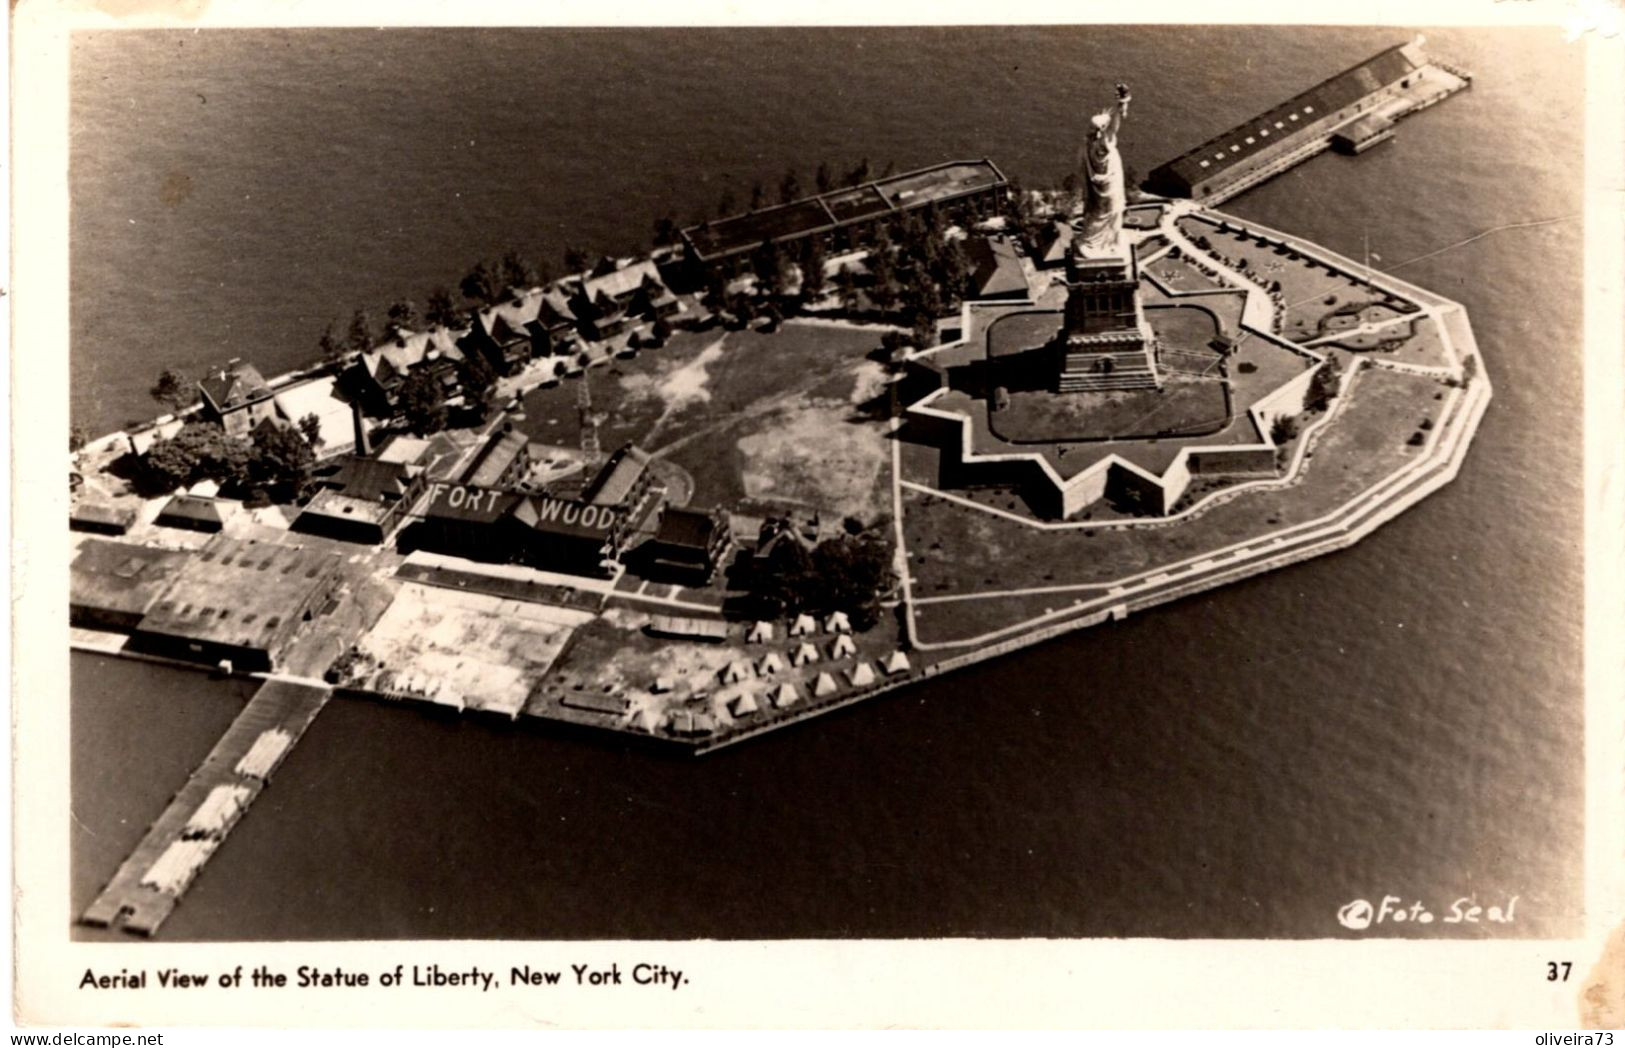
x: 150, y: 883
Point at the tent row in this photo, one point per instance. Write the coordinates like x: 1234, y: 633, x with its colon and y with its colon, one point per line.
x: 803, y: 654
x: 803, y: 625
x: 784, y: 694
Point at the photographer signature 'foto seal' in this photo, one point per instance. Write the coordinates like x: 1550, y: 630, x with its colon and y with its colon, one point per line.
x: 1360, y: 914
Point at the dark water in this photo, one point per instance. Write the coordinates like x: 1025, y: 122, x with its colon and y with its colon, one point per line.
x: 1404, y: 717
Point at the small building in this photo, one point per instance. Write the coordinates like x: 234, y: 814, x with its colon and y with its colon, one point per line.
x: 236, y: 396
x: 843, y: 648
x: 997, y: 272
x: 192, y: 513
x: 363, y: 501
x: 112, y: 584
x: 687, y: 545
x: 99, y: 518
x: 238, y: 601
x: 688, y: 627
x: 824, y: 685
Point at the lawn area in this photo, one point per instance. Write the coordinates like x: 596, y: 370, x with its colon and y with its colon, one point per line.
x: 1145, y: 216
x: 1178, y: 274
x: 1417, y: 342
x: 1259, y: 366
x: 955, y: 549
x: 1186, y: 404
x: 755, y: 419
x: 758, y: 420
x: 1016, y: 333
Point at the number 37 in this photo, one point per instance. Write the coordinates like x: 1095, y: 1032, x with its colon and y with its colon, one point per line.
x: 1558, y: 971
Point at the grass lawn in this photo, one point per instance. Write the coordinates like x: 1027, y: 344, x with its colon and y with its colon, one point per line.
x: 1418, y: 342
x: 1312, y: 292
x: 1018, y: 332
x: 1178, y: 274
x: 955, y: 549
x: 1186, y: 404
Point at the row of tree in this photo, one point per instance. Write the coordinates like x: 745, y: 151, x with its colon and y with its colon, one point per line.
x: 790, y: 189
x: 485, y: 284
x: 851, y: 572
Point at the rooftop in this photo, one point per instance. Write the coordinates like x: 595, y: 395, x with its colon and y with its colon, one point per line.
x: 120, y: 576
x: 618, y: 477
x: 239, y: 592
x: 192, y: 509
x: 998, y: 267
x: 233, y: 386
x: 495, y: 457
x: 824, y: 211
x: 467, y: 502
x: 1241, y: 142
x: 686, y: 528
x: 335, y: 421
x: 567, y: 517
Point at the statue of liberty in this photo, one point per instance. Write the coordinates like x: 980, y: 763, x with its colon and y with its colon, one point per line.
x: 1100, y: 228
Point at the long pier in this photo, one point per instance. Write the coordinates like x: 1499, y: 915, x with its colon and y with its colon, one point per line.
x: 149, y: 885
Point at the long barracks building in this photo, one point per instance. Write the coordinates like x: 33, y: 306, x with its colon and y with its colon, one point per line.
x: 1353, y: 110
x: 843, y: 216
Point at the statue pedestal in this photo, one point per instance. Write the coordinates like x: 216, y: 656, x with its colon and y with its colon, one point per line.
x: 1107, y: 343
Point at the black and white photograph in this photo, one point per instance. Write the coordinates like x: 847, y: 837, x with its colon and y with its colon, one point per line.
x: 817, y: 484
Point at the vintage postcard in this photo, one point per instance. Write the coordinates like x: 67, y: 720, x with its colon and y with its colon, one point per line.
x: 767, y: 518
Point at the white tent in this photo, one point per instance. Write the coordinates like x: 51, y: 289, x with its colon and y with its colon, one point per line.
x: 843, y: 648
x: 735, y: 671
x: 896, y: 662
x: 760, y: 633
x: 770, y: 663
x: 837, y: 623
x: 784, y: 695
x: 804, y: 626
x: 803, y: 655
x: 745, y: 704
x: 861, y: 675
x: 824, y: 685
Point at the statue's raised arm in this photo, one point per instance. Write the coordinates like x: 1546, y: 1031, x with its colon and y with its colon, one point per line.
x: 1121, y: 112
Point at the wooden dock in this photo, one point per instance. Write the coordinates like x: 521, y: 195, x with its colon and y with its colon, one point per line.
x: 150, y: 883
